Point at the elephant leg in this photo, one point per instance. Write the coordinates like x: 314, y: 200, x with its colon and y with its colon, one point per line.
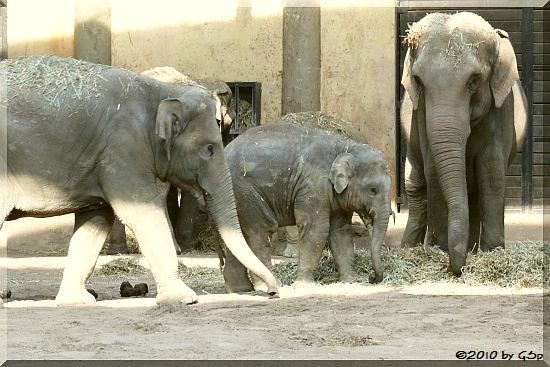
x: 117, y: 239
x: 235, y: 275
x: 172, y: 204
x: 490, y: 171
x: 90, y: 231
x: 186, y: 223
x: 473, y: 207
x: 261, y: 247
x: 313, y: 226
x: 415, y: 186
x: 173, y: 208
x: 341, y: 245
x: 151, y: 226
x: 292, y: 238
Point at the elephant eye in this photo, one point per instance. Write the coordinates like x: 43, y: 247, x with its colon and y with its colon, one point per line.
x: 474, y: 82
x: 373, y: 191
x: 210, y: 149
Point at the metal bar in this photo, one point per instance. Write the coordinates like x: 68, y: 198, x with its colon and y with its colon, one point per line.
x: 527, y: 82
x: 400, y: 146
x: 236, y: 126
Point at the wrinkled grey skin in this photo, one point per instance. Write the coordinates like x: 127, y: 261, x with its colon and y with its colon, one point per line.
x: 183, y: 224
x: 115, y: 150
x: 464, y: 115
x: 285, y: 174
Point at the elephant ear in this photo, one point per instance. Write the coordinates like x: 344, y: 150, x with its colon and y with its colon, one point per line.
x: 520, y: 114
x: 341, y: 172
x: 505, y: 70
x: 407, y: 80
x: 172, y: 118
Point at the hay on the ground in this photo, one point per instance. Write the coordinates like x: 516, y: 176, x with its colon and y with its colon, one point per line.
x: 122, y: 266
x: 517, y: 266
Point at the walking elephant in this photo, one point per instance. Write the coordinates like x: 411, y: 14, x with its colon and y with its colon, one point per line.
x: 286, y: 174
x: 464, y: 115
x: 100, y: 141
x: 225, y: 115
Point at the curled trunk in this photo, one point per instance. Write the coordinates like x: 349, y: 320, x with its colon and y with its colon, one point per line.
x: 221, y: 207
x: 379, y: 229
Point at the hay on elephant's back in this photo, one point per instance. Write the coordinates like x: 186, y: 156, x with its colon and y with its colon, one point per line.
x: 167, y: 74
x: 55, y: 79
x: 324, y: 122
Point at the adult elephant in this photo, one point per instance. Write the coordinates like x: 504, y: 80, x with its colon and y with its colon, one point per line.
x: 98, y: 141
x: 286, y: 174
x: 464, y: 114
x: 184, y: 231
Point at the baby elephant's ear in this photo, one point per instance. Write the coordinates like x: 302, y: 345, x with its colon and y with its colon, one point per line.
x: 341, y: 172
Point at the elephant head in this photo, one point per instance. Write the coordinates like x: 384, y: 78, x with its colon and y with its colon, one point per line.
x: 361, y: 184
x: 457, y: 69
x: 190, y: 155
x: 225, y: 112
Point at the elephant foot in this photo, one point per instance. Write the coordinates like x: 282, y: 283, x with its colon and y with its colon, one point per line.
x: 176, y: 294
x: 291, y: 251
x: 239, y: 288
x: 74, y: 298
x: 304, y: 280
x: 117, y: 248
x: 375, y: 278
x: 347, y: 277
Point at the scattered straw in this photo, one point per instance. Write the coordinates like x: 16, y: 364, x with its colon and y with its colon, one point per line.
x: 517, y: 266
x: 209, y: 239
x: 122, y: 266
x: 245, y: 115
x: 202, y: 279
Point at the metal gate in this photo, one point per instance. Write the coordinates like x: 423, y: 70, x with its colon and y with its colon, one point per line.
x: 525, y: 26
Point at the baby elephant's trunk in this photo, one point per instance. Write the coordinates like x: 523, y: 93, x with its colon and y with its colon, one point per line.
x: 380, y: 219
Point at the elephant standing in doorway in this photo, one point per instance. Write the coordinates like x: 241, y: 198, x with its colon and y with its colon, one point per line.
x: 100, y: 141
x: 464, y: 115
x: 225, y: 115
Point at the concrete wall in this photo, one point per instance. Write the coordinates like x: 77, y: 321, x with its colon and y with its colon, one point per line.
x: 37, y: 27
x: 358, y: 71
x: 229, y: 43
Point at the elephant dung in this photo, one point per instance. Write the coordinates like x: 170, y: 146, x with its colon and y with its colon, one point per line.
x: 5, y: 293
x: 139, y: 290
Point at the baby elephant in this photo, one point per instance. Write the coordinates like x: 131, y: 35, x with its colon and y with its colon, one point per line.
x: 286, y: 174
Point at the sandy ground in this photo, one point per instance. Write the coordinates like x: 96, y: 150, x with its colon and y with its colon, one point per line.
x: 334, y: 321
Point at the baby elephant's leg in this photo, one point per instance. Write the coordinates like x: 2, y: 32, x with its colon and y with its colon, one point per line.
x: 313, y: 226
x: 341, y: 245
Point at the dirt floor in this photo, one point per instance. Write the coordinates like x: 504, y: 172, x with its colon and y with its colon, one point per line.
x: 334, y: 321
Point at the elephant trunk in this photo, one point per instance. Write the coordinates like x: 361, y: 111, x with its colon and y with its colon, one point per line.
x: 221, y: 207
x: 381, y: 217
x: 447, y: 135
